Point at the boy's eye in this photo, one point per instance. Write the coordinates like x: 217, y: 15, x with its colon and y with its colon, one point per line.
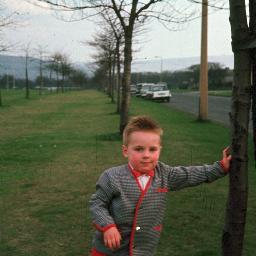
x: 153, y: 149
x: 139, y: 149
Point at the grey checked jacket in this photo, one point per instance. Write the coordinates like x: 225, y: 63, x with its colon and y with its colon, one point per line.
x: 138, y: 214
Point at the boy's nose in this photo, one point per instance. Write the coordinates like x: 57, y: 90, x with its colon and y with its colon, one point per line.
x: 146, y: 153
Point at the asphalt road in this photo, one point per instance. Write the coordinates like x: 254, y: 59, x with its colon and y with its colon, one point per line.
x: 218, y: 107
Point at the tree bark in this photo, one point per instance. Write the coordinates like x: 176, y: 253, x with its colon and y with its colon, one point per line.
x: 252, y: 26
x: 118, y: 63
x: 1, y: 101
x: 126, y: 96
x: 26, y: 75
x: 113, y: 83
x: 203, y: 106
x: 254, y: 102
x: 58, y: 81
x: 41, y: 76
x: 233, y: 233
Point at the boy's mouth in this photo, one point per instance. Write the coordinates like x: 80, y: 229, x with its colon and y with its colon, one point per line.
x: 146, y: 162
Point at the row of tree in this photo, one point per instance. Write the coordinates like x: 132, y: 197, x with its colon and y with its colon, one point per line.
x: 56, y: 73
x: 218, y: 76
x: 123, y: 17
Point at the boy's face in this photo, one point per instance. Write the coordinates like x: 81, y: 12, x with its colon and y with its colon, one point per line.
x: 143, y: 150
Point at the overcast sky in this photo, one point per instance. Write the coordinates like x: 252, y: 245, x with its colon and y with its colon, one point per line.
x: 40, y: 26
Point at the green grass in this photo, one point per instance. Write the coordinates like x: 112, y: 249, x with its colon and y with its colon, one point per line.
x: 221, y: 93
x: 52, y: 150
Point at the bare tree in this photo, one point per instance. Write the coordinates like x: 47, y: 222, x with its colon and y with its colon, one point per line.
x: 243, y: 42
x: 104, y: 43
x: 78, y: 78
x: 26, y: 50
x: 128, y: 13
x: 6, y: 21
x: 41, y: 53
x: 65, y: 68
x: 56, y: 65
x: 252, y: 26
x: 113, y: 24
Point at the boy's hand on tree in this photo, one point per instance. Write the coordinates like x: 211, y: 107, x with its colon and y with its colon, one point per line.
x: 225, y: 162
x: 112, y: 238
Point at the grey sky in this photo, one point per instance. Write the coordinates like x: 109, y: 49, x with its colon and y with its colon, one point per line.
x: 39, y: 26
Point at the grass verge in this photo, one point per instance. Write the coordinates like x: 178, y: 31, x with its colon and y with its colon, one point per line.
x: 53, y: 149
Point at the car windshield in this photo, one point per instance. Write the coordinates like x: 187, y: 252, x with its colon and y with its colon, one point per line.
x: 159, y: 88
x: 146, y: 87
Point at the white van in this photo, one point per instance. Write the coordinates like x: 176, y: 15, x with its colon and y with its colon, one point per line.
x: 159, y: 92
x: 143, y: 89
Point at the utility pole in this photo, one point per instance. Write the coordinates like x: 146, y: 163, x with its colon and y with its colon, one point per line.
x: 13, y: 80
x: 203, y: 104
x: 161, y: 67
x: 7, y: 80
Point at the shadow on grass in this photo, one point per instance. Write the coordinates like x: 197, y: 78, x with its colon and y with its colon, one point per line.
x: 113, y: 113
x: 201, y: 121
x: 3, y: 106
x: 110, y: 103
x: 109, y: 137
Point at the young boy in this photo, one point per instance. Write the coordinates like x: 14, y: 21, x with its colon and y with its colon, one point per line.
x: 129, y: 203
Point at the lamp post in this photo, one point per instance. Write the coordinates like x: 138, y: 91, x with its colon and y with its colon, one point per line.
x: 203, y: 104
x: 161, y: 67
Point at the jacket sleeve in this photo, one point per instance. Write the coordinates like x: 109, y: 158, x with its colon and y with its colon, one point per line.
x: 181, y: 177
x: 100, y: 202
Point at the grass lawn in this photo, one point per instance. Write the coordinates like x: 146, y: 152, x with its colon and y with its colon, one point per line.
x: 52, y: 150
x: 221, y: 93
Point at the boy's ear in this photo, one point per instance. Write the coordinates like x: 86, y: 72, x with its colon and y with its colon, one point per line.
x: 124, y: 150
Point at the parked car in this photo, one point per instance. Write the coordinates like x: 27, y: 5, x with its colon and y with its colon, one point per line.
x: 143, y: 88
x: 159, y: 92
x: 133, y: 89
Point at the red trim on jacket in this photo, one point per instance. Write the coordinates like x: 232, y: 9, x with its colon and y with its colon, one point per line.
x: 138, y: 174
x: 162, y: 190
x: 158, y: 228
x: 94, y: 252
x: 136, y: 213
x: 103, y: 229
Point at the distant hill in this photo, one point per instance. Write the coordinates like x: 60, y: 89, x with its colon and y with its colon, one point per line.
x: 172, y: 64
x: 15, y: 65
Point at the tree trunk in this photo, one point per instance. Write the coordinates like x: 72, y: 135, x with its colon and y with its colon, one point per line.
x: 58, y: 82
x: 109, y: 76
x: 113, y: 83
x: 1, y: 101
x: 118, y: 63
x: 126, y: 96
x: 62, y: 82
x: 41, y: 78
x: 252, y: 26
x: 233, y: 233
x: 254, y: 103
x: 27, y: 82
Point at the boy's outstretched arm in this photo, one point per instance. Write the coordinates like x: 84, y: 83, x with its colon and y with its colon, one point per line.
x: 225, y: 162
x: 180, y: 177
